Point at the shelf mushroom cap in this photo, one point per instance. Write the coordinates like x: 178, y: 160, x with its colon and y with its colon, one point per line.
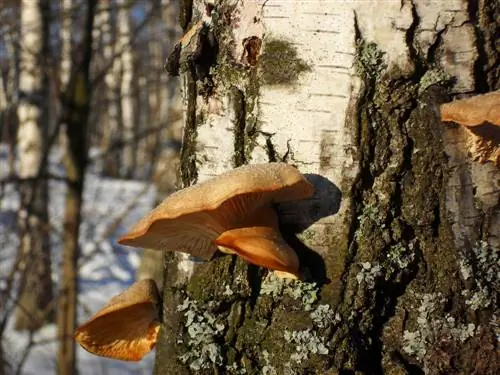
x: 191, y: 219
x: 473, y: 111
x: 127, y: 327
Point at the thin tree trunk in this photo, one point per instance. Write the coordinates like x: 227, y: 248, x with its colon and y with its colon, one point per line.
x: 128, y: 159
x: 10, y: 120
x: 76, y: 101
x: 34, y: 304
x: 402, y: 236
x: 110, y: 132
x: 66, y: 36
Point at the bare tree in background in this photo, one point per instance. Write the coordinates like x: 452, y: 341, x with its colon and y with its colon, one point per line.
x: 35, y: 293
x: 110, y: 56
x: 158, y: 154
x: 10, y: 36
x: 124, y: 43
x: 76, y: 98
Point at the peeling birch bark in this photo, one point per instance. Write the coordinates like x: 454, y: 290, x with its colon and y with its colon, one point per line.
x: 401, y: 238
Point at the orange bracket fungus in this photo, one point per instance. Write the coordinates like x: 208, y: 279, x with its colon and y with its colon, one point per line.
x: 480, y: 117
x: 127, y: 327
x: 232, y: 212
x: 473, y: 111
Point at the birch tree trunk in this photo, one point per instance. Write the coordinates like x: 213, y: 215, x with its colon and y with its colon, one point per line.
x: 66, y: 37
x: 111, y: 55
x: 75, y: 107
x: 402, y: 236
x: 124, y: 44
x: 34, y: 304
x: 11, y: 86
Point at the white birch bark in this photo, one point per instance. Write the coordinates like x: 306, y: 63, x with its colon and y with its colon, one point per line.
x: 31, y: 142
x: 66, y: 34
x: 407, y: 228
x: 30, y: 114
x: 127, y: 103
x: 112, y: 81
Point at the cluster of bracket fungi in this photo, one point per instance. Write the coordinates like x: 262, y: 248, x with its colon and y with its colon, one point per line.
x: 232, y: 213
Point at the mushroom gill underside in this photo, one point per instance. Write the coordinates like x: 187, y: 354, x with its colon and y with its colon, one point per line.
x: 127, y: 334
x: 262, y: 246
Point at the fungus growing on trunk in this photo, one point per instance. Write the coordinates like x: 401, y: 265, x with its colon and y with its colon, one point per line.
x: 126, y: 328
x: 480, y: 117
x: 473, y: 111
x: 232, y: 212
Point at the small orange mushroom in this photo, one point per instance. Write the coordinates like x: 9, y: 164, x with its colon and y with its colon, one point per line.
x: 480, y: 117
x: 127, y: 327
x: 232, y: 212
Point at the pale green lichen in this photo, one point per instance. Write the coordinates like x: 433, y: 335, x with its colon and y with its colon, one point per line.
x: 433, y: 77
x: 324, y: 316
x: 307, y: 236
x: 203, y: 331
x: 277, y: 287
x: 430, y: 327
x: 398, y: 259
x: 369, y: 216
x: 369, y: 60
x: 268, y: 369
x: 227, y: 291
x: 482, y: 265
x: 369, y: 273
x: 479, y: 298
x: 306, y: 342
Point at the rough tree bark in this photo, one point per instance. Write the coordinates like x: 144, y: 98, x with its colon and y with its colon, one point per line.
x: 75, y: 104
x: 35, y: 293
x: 402, y: 237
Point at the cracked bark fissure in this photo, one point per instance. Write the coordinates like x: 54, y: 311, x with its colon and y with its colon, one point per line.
x: 397, y: 244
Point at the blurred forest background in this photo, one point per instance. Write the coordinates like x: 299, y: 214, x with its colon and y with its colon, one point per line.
x: 89, y: 137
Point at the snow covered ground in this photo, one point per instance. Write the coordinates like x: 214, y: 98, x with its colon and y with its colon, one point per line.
x: 110, y: 207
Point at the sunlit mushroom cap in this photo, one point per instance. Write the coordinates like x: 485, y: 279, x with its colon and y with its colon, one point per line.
x: 126, y: 328
x: 473, y: 111
x: 191, y: 219
x: 262, y: 246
